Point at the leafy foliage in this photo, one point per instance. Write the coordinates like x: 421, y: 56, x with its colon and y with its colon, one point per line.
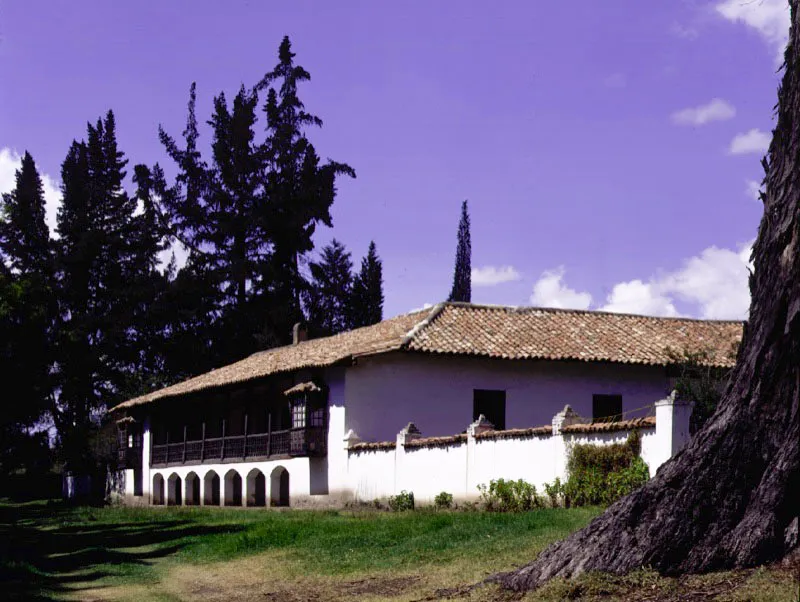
x: 601, y: 474
x: 443, y: 500
x: 509, y: 496
x: 699, y: 382
x: 328, y: 296
x: 402, y: 501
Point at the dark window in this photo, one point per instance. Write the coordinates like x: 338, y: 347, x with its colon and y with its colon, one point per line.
x: 491, y: 404
x: 606, y: 407
x: 318, y: 417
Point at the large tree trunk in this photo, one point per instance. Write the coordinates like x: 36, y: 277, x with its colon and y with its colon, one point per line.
x: 731, y: 498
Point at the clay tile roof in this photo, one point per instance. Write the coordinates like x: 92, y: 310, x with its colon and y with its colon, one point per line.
x: 378, y: 338
x: 436, y: 441
x: 516, y: 433
x: 375, y: 446
x: 610, y: 427
x: 487, y: 331
x: 557, y: 334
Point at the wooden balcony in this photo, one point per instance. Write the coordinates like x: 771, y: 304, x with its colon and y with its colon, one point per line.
x: 237, y: 448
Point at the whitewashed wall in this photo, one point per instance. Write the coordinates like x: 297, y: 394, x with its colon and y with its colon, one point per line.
x: 384, y: 392
x: 459, y: 468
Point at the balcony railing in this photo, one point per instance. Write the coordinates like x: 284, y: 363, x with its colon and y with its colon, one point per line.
x: 292, y: 442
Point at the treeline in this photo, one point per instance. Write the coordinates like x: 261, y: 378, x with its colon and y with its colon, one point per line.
x: 89, y: 316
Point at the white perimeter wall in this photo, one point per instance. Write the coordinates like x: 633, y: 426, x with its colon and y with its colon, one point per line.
x: 460, y: 467
x: 386, y: 392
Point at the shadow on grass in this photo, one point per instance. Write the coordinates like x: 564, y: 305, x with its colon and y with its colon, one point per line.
x: 43, y: 553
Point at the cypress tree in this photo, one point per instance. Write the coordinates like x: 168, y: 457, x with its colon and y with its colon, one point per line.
x: 367, y: 298
x: 462, y: 277
x: 328, y: 295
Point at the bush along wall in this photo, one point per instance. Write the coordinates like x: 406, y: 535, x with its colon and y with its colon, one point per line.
x: 601, y: 474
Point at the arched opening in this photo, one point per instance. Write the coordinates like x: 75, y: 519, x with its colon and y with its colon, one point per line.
x: 233, y: 488
x: 211, y: 489
x: 192, y: 495
x: 158, y: 490
x: 256, y: 488
x: 279, y: 487
x: 174, y: 497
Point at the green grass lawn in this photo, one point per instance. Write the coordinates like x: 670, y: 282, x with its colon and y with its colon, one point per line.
x: 50, y: 551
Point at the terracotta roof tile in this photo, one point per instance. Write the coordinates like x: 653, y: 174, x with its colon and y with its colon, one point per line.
x: 375, y: 446
x: 610, y: 427
x: 437, y: 441
x: 515, y: 433
x: 487, y: 331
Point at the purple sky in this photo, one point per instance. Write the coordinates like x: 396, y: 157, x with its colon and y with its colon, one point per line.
x: 565, y: 124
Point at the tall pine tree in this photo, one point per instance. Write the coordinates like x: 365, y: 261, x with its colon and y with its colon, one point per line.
x: 107, y: 255
x: 300, y: 190
x: 328, y: 295
x: 366, y: 305
x: 27, y: 310
x: 462, y: 277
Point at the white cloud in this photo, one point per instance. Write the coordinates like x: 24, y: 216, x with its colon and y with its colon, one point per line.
x: 715, y: 110
x: 615, y: 80
x: 753, y: 141
x: 754, y: 189
x: 714, y: 283
x: 550, y: 291
x: 10, y: 162
x: 637, y: 297
x: 770, y: 18
x: 424, y: 306
x: 490, y: 275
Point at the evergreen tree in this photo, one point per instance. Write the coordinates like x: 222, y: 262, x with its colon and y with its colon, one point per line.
x: 107, y: 258
x: 299, y: 190
x: 367, y: 298
x: 462, y: 277
x: 248, y: 216
x: 27, y: 310
x: 329, y: 293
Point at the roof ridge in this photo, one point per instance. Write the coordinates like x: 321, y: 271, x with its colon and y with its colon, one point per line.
x: 529, y: 308
x: 419, y: 326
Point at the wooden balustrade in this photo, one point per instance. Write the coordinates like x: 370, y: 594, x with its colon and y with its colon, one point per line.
x: 308, y: 441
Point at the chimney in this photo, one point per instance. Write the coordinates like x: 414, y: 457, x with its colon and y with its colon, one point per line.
x: 299, y: 333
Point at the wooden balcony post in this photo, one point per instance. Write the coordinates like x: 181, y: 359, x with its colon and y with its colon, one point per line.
x: 184, y: 444
x: 168, y: 445
x: 244, y: 446
x: 222, y: 455
x: 269, y: 434
x: 203, y: 444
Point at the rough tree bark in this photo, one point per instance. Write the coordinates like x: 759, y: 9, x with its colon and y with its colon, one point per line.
x: 731, y: 498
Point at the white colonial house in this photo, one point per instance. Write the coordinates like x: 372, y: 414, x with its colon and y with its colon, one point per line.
x: 443, y: 399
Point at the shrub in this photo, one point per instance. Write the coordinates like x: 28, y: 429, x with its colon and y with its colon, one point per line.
x: 555, y: 492
x: 443, y: 501
x: 402, y: 501
x: 508, y: 496
x: 604, y: 473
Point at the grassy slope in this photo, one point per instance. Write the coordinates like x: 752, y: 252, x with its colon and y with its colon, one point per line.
x: 51, y: 551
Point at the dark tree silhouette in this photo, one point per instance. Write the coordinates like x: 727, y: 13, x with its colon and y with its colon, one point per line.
x: 28, y: 310
x: 462, y: 276
x: 730, y: 498
x: 366, y: 305
x: 328, y: 295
